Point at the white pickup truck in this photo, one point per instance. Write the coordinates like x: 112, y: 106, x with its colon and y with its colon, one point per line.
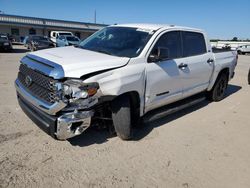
x: 118, y: 75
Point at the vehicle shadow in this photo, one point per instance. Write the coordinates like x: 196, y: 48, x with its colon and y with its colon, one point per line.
x: 92, y: 136
x: 231, y: 89
x: 149, y: 126
x: 89, y: 137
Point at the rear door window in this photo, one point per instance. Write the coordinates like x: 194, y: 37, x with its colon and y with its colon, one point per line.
x: 193, y: 43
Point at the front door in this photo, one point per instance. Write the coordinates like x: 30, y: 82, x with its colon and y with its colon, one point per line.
x: 164, y: 82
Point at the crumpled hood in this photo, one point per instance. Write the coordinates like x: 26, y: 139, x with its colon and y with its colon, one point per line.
x: 77, y: 62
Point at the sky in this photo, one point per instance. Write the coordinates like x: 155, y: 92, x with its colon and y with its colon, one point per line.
x: 222, y: 19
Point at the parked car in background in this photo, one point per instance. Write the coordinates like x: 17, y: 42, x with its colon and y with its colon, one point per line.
x: 66, y: 40
x: 243, y: 49
x: 11, y: 38
x: 36, y: 42
x: 5, y: 43
x: 55, y: 34
x: 118, y: 75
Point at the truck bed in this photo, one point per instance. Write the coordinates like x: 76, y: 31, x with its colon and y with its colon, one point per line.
x: 220, y: 50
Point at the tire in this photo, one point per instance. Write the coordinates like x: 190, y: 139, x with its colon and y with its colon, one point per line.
x: 239, y: 52
x: 218, y: 91
x: 121, y: 115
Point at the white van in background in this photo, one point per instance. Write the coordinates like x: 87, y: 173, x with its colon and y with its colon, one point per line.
x: 55, y: 34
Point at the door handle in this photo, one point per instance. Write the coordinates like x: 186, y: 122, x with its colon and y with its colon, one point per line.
x: 182, y: 66
x: 210, y: 60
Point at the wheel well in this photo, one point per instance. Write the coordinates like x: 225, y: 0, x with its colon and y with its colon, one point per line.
x: 224, y: 71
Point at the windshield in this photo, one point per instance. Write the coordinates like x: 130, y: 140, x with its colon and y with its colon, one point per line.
x: 118, y: 41
x: 72, y: 38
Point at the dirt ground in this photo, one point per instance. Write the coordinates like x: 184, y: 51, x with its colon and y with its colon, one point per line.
x: 204, y: 146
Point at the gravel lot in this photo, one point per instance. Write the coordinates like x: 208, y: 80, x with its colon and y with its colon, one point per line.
x: 204, y: 146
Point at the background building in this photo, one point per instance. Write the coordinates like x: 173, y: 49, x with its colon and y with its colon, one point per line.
x: 20, y: 26
x: 233, y: 44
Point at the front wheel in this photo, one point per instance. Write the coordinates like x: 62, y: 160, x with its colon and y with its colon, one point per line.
x: 218, y: 91
x: 121, y: 115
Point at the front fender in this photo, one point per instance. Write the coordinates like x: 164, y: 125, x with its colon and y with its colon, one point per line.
x: 122, y: 80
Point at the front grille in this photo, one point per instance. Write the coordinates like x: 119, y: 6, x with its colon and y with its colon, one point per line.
x: 40, y: 86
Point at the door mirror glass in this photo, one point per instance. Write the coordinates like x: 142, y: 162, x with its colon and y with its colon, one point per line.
x: 159, y: 54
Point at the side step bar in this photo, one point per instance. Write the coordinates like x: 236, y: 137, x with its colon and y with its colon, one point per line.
x: 174, y: 107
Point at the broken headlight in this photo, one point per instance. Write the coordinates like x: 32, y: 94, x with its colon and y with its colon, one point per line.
x: 78, y: 93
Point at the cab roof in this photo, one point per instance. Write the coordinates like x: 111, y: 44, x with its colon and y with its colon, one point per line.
x: 148, y: 26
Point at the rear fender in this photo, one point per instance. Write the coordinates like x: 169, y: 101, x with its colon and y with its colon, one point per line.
x: 216, y: 74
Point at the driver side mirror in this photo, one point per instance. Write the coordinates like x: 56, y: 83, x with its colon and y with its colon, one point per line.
x: 158, y: 54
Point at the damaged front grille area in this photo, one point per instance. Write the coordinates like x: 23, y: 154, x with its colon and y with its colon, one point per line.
x: 41, y: 86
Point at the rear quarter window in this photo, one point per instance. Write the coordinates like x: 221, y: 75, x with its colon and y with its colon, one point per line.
x: 193, y: 44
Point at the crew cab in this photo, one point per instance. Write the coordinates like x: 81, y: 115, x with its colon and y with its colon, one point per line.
x: 118, y: 75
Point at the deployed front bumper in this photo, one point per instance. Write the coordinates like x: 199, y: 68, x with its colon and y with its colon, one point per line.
x: 62, y: 126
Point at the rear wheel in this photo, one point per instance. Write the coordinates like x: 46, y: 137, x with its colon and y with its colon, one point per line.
x: 218, y: 91
x: 121, y: 115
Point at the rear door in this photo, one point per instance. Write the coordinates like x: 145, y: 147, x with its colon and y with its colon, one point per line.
x: 199, y: 63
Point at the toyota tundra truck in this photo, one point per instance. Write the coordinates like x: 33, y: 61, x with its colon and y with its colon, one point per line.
x: 119, y: 75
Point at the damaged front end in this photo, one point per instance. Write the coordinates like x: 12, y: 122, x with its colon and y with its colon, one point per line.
x: 70, y: 112
x: 76, y: 116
